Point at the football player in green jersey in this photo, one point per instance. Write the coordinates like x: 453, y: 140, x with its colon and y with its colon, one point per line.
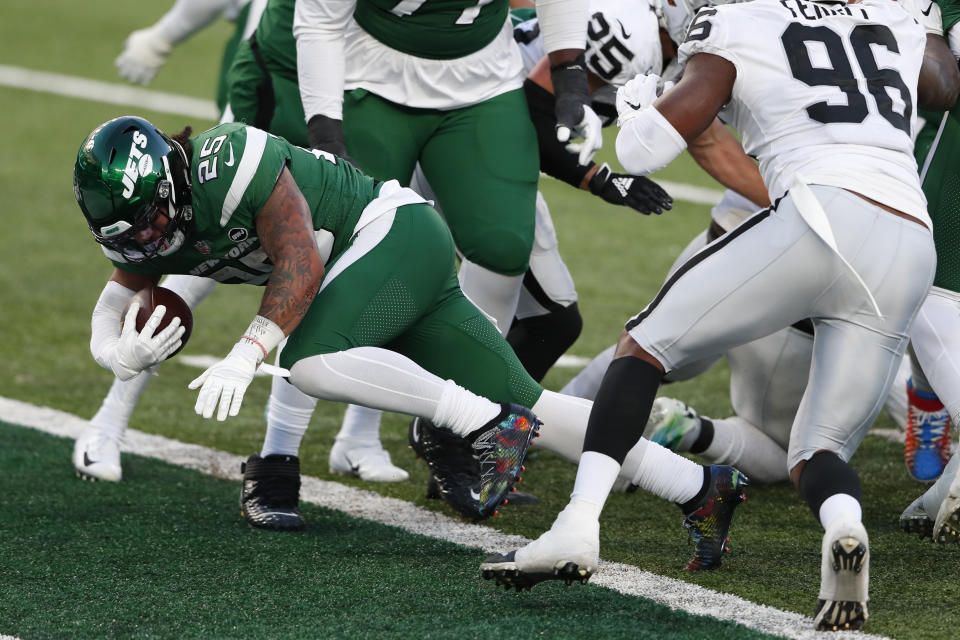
x: 359, y: 279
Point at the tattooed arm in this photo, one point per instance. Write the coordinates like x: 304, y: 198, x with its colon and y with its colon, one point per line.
x: 285, y: 229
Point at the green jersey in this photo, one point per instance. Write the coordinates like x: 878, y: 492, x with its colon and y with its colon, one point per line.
x: 234, y: 169
x: 937, y: 152
x: 435, y: 29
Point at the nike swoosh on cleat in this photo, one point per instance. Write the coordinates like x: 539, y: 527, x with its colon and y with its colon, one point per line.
x: 87, y: 461
x: 623, y: 31
x: 229, y: 163
x: 474, y: 495
x: 929, y: 8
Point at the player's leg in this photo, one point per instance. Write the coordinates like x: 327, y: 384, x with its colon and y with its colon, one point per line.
x: 856, y: 356
x: 482, y: 163
x: 96, y: 453
x: 547, y: 320
x: 935, y: 390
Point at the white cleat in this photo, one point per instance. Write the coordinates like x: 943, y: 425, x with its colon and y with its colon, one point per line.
x: 844, y: 577
x: 96, y: 455
x: 568, y: 551
x: 367, y: 461
x: 946, y: 528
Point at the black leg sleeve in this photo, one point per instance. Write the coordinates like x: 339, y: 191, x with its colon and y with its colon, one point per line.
x: 622, y: 407
x: 540, y: 340
x: 825, y: 475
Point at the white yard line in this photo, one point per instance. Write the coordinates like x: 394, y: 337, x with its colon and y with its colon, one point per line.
x: 161, y: 102
x: 623, y: 578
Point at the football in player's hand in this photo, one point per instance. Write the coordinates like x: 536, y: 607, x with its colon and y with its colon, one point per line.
x: 152, y: 297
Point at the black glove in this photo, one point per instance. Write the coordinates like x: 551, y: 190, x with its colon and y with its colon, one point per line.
x: 326, y: 134
x: 637, y: 192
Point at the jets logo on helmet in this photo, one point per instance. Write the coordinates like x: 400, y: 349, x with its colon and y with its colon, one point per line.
x: 129, y: 176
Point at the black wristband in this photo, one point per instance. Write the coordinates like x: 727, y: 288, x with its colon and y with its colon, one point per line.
x: 571, y: 89
x: 555, y: 160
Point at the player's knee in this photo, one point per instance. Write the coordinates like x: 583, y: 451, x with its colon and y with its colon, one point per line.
x: 503, y: 251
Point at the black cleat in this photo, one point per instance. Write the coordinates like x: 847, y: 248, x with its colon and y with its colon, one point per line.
x: 474, y: 475
x: 709, y: 521
x: 914, y: 519
x: 270, y: 495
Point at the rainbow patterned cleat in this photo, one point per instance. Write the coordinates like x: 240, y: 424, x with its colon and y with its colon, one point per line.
x: 709, y: 522
x: 475, y: 475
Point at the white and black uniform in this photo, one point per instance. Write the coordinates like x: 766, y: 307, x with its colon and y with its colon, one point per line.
x: 803, y: 105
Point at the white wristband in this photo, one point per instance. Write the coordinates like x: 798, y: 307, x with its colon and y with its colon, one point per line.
x: 264, y: 333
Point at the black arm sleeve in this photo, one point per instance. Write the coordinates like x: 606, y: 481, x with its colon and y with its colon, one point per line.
x: 555, y: 160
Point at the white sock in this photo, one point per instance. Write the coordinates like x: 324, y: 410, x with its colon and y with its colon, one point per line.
x: 839, y: 505
x: 360, y: 424
x: 738, y: 443
x: 114, y: 413
x: 288, y: 416
x: 939, y: 489
x: 564, y: 423
x: 493, y: 293
x: 596, y: 474
x: 462, y: 411
x: 586, y: 383
x: 667, y: 475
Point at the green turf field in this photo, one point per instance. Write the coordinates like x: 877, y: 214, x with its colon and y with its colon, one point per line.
x: 164, y: 554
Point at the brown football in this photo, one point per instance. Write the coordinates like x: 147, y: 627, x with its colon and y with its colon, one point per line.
x: 152, y: 297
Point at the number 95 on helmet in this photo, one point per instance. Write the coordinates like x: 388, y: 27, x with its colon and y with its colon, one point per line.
x: 132, y: 183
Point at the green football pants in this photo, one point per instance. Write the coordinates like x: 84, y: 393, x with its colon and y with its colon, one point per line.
x: 482, y: 162
x: 402, y: 294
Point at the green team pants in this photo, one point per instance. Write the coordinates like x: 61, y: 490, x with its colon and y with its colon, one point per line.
x: 265, y: 98
x: 403, y: 295
x: 229, y: 50
x: 941, y: 185
x: 482, y: 162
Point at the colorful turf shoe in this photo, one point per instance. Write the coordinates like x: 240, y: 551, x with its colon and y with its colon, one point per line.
x: 568, y: 551
x: 844, y: 577
x: 673, y: 424
x: 474, y: 475
x: 915, y: 519
x: 709, y: 520
x: 270, y: 496
x: 946, y: 528
x: 926, y: 449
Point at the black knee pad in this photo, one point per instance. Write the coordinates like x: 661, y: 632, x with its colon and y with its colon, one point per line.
x: 541, y: 340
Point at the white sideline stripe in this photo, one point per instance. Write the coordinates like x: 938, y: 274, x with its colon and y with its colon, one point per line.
x: 623, y: 578
x: 111, y: 93
x: 122, y: 94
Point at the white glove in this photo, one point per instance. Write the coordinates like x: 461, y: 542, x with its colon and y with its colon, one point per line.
x: 138, y: 351
x: 144, y: 52
x: 638, y: 94
x: 590, y: 128
x: 227, y: 381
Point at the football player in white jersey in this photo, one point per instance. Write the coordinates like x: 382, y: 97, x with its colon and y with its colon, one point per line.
x: 823, y: 94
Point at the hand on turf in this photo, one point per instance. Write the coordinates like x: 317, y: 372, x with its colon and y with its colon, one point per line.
x: 636, y: 192
x: 227, y: 381
x: 138, y: 351
x: 144, y: 52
